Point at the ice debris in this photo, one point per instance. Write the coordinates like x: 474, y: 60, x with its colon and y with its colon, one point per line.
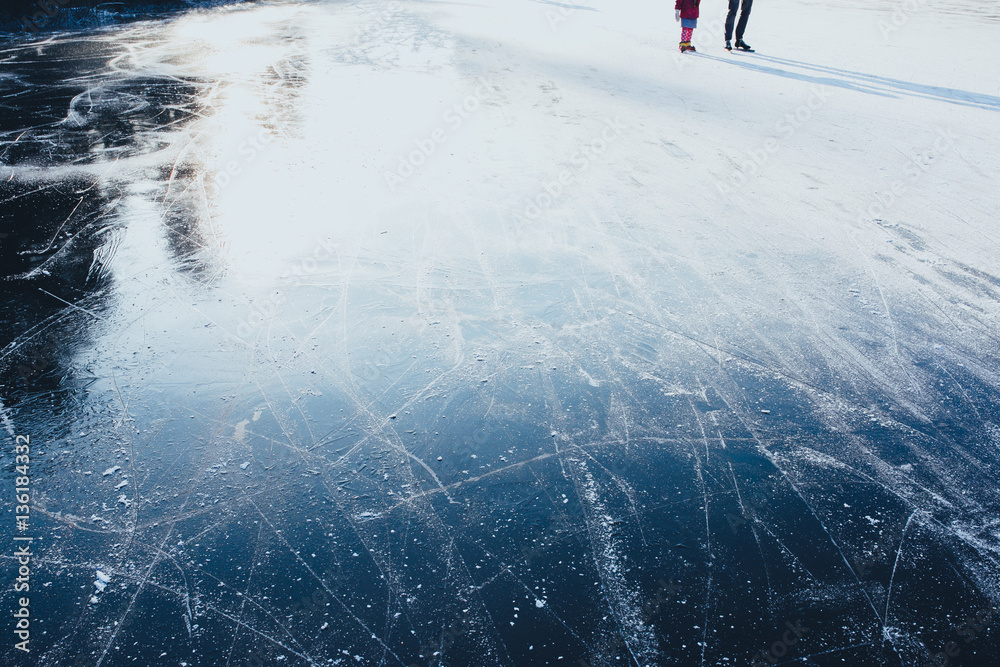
x: 100, y: 583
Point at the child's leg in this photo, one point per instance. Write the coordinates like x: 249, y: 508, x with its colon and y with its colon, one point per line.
x: 686, y: 34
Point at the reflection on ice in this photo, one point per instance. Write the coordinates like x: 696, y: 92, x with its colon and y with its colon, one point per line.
x: 288, y: 414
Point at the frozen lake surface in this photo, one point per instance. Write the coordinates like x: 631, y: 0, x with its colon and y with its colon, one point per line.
x: 500, y: 333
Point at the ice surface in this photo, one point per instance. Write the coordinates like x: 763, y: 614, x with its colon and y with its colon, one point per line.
x: 497, y: 333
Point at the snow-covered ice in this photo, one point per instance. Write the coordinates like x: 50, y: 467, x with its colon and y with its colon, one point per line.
x: 501, y: 333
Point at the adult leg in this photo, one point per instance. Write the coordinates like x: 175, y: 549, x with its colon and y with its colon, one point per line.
x: 734, y: 7
x: 744, y: 17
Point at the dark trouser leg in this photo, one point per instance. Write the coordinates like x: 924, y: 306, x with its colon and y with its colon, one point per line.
x: 744, y: 17
x: 734, y: 7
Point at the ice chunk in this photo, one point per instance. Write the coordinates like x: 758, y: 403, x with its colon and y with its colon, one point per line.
x: 111, y: 471
x: 101, y: 582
